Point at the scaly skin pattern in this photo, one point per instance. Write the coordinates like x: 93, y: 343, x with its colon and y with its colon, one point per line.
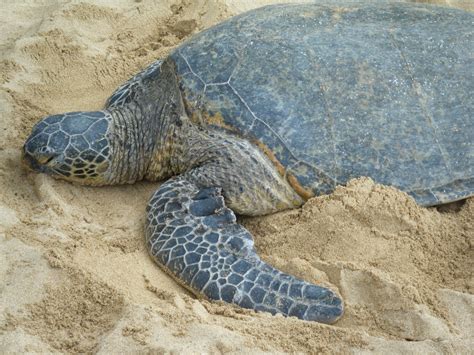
x: 73, y: 145
x: 270, y: 76
x: 190, y: 232
x: 195, y: 238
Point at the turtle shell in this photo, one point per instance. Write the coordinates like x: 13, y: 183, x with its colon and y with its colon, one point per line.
x: 332, y: 93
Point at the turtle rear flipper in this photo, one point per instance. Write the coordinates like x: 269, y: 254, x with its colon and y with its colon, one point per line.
x: 195, y: 238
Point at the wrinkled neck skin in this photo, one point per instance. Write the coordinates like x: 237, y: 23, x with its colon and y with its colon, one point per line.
x: 152, y: 138
x: 140, y: 145
x: 142, y: 130
x: 212, y: 157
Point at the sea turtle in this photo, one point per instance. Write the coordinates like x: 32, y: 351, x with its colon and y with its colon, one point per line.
x: 261, y: 112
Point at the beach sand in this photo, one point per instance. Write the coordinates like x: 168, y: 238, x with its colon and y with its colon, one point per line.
x: 75, y: 275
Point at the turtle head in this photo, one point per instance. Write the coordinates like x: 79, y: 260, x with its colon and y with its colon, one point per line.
x: 71, y: 146
x: 126, y: 142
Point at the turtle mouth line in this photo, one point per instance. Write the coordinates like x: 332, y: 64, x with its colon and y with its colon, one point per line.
x: 32, y: 163
x: 47, y: 161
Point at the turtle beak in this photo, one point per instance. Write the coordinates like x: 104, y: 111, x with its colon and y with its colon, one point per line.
x: 33, y: 161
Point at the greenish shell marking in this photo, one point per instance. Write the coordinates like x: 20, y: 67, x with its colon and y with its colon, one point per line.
x: 335, y: 99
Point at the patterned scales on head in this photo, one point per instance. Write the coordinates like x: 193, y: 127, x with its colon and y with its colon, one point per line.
x: 265, y: 110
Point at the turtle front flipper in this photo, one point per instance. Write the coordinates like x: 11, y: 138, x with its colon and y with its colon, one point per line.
x: 195, y: 238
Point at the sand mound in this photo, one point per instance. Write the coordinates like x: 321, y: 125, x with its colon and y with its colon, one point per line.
x: 76, y: 276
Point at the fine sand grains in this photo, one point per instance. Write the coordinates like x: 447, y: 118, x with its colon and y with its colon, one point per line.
x: 75, y: 275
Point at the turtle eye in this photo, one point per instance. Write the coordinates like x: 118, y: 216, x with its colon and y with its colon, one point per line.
x: 44, y: 155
